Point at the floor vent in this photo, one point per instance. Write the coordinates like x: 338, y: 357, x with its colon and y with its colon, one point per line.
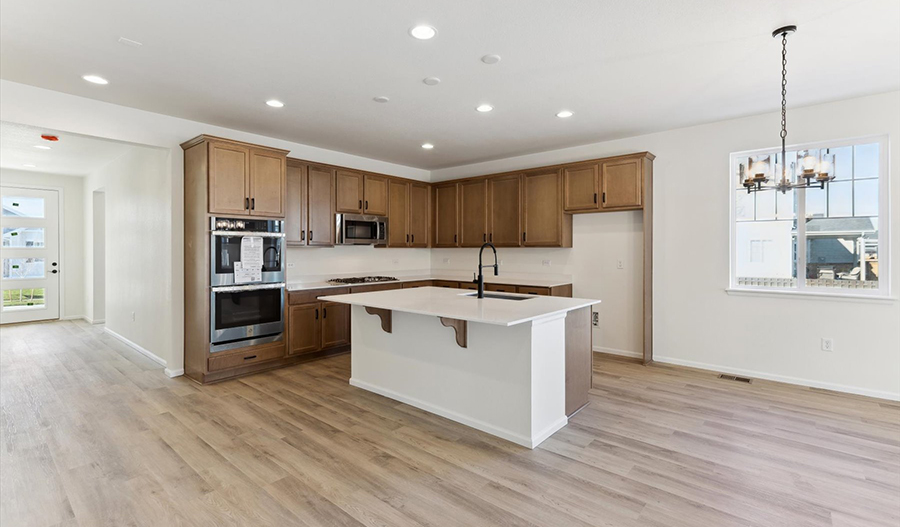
x: 735, y: 378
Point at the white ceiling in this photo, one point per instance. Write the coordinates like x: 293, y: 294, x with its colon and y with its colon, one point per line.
x: 623, y: 67
x: 72, y: 155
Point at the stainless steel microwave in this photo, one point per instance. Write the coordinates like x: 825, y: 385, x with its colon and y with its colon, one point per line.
x: 359, y: 229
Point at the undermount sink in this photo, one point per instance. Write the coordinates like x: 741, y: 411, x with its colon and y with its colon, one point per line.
x: 499, y: 296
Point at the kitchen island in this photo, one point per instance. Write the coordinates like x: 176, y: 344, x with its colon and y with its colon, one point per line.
x: 515, y: 366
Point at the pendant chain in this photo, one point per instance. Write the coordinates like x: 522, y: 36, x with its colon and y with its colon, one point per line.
x: 783, y: 103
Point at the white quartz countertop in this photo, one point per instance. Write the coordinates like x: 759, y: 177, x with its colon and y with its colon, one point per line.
x: 460, y: 304
x: 488, y: 279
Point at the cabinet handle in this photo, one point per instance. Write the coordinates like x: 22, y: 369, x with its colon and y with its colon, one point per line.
x: 324, y: 312
x: 317, y: 313
x: 253, y: 203
x: 523, y: 236
x: 454, y: 238
x: 413, y: 238
x: 595, y: 198
x: 302, y: 235
x: 246, y: 203
x: 483, y: 237
x: 310, y: 235
x: 491, y: 238
x: 604, y: 198
x: 407, y: 238
x: 367, y: 204
x: 360, y: 203
x: 250, y: 357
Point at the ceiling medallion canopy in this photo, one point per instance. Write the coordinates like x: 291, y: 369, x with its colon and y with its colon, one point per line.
x: 816, y: 168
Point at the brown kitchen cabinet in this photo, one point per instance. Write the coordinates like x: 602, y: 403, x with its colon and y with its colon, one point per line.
x: 407, y: 214
x: 419, y: 199
x: 335, y: 324
x: 375, y: 195
x: 349, y: 193
x: 446, y: 215
x: 544, y: 222
x: 242, y: 179
x: 500, y: 288
x: 581, y: 187
x: 473, y: 213
x: 504, y: 213
x: 305, y: 328
x: 446, y: 283
x: 309, y: 217
x: 621, y: 183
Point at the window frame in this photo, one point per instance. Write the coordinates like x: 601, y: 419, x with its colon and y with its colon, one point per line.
x: 883, y: 292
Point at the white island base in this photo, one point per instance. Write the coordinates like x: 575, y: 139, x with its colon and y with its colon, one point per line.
x: 509, y: 381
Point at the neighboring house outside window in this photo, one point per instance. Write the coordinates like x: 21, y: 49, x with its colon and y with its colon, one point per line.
x: 841, y: 246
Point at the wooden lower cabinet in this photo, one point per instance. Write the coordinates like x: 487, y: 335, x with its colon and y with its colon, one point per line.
x: 446, y: 283
x: 231, y: 360
x: 419, y: 283
x: 335, y: 324
x: 500, y: 288
x: 304, y: 329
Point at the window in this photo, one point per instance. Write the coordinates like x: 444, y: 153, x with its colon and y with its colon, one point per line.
x: 839, y: 247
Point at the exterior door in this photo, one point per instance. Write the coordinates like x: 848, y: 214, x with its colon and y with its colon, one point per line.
x: 30, y: 255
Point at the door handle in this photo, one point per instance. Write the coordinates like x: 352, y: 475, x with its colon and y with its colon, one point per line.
x: 54, y: 271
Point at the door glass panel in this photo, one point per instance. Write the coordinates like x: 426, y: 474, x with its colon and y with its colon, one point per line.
x: 23, y: 298
x: 22, y: 268
x: 247, y: 308
x: 23, y: 207
x: 22, y: 237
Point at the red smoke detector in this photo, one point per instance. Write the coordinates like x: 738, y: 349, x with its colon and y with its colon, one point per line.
x: 47, y: 137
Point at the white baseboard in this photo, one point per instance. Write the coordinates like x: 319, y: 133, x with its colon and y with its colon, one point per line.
x: 73, y: 317
x: 174, y: 373
x: 614, y: 351
x: 95, y: 321
x: 477, y: 424
x: 891, y: 396
x: 143, y: 351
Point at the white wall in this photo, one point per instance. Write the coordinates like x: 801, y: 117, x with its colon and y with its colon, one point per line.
x: 696, y: 322
x: 72, y: 248
x: 96, y: 308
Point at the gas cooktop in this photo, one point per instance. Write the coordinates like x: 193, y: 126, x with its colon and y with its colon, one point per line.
x: 361, y: 280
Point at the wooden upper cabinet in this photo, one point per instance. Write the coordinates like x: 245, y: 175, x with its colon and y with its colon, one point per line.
x: 375, y: 196
x: 398, y: 214
x: 267, y: 183
x: 621, y: 182
x: 348, y: 191
x: 473, y: 213
x: 335, y: 324
x: 581, y: 187
x: 505, y: 210
x: 544, y: 222
x: 304, y: 328
x: 446, y: 215
x: 320, y: 206
x: 229, y: 178
x: 419, y: 195
x: 295, y: 204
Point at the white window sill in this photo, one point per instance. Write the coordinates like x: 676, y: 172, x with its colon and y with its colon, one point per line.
x: 845, y: 297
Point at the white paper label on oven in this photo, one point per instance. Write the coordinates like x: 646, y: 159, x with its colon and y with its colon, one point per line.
x: 246, y: 276
x: 251, y: 252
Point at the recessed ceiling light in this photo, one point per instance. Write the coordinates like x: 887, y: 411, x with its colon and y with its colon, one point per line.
x: 380, y: 98
x: 42, y: 147
x: 423, y: 32
x: 427, y: 146
x: 274, y: 103
x: 27, y: 165
x: 96, y: 79
x: 484, y: 108
x: 431, y: 81
x: 490, y: 59
x: 563, y: 114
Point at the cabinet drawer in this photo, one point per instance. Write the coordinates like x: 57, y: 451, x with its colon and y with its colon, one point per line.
x: 375, y: 287
x: 312, y: 295
x: 446, y: 283
x: 468, y: 285
x: 236, y: 360
x: 420, y: 283
x: 500, y: 288
x: 526, y: 290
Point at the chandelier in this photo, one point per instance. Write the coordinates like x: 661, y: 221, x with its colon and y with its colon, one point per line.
x: 816, y: 167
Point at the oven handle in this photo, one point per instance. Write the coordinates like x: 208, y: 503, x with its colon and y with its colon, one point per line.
x: 248, y: 287
x: 249, y: 233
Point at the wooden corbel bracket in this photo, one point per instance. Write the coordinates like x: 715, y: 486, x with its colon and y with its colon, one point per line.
x: 461, y: 327
x: 385, y: 315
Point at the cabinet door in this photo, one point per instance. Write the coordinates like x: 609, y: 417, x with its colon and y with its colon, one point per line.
x: 304, y: 328
x: 349, y: 192
x: 375, y: 200
x: 621, y: 184
x: 473, y: 213
x: 295, y: 205
x: 398, y: 214
x: 542, y: 209
x: 335, y: 324
x: 505, y: 211
x: 320, y: 210
x: 446, y: 215
x: 267, y: 183
x: 418, y: 215
x: 581, y: 187
x: 229, y: 179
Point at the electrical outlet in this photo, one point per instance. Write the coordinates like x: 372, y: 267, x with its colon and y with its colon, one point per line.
x: 500, y: 262
x: 132, y: 316
x: 395, y: 261
x: 290, y: 265
x: 446, y: 260
x: 827, y: 344
x: 545, y: 263
x: 620, y: 264
x: 595, y: 319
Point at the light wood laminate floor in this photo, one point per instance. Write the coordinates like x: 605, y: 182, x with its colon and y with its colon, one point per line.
x: 95, y: 434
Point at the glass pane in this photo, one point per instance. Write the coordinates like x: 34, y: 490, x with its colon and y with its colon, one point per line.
x: 865, y: 161
x: 786, y: 206
x: 23, y: 237
x: 866, y: 198
x: 765, y: 254
x: 765, y: 205
x: 23, y: 298
x: 743, y: 206
x: 843, y: 162
x: 816, y: 203
x: 19, y: 268
x: 840, y: 199
x: 23, y: 207
x: 842, y: 253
